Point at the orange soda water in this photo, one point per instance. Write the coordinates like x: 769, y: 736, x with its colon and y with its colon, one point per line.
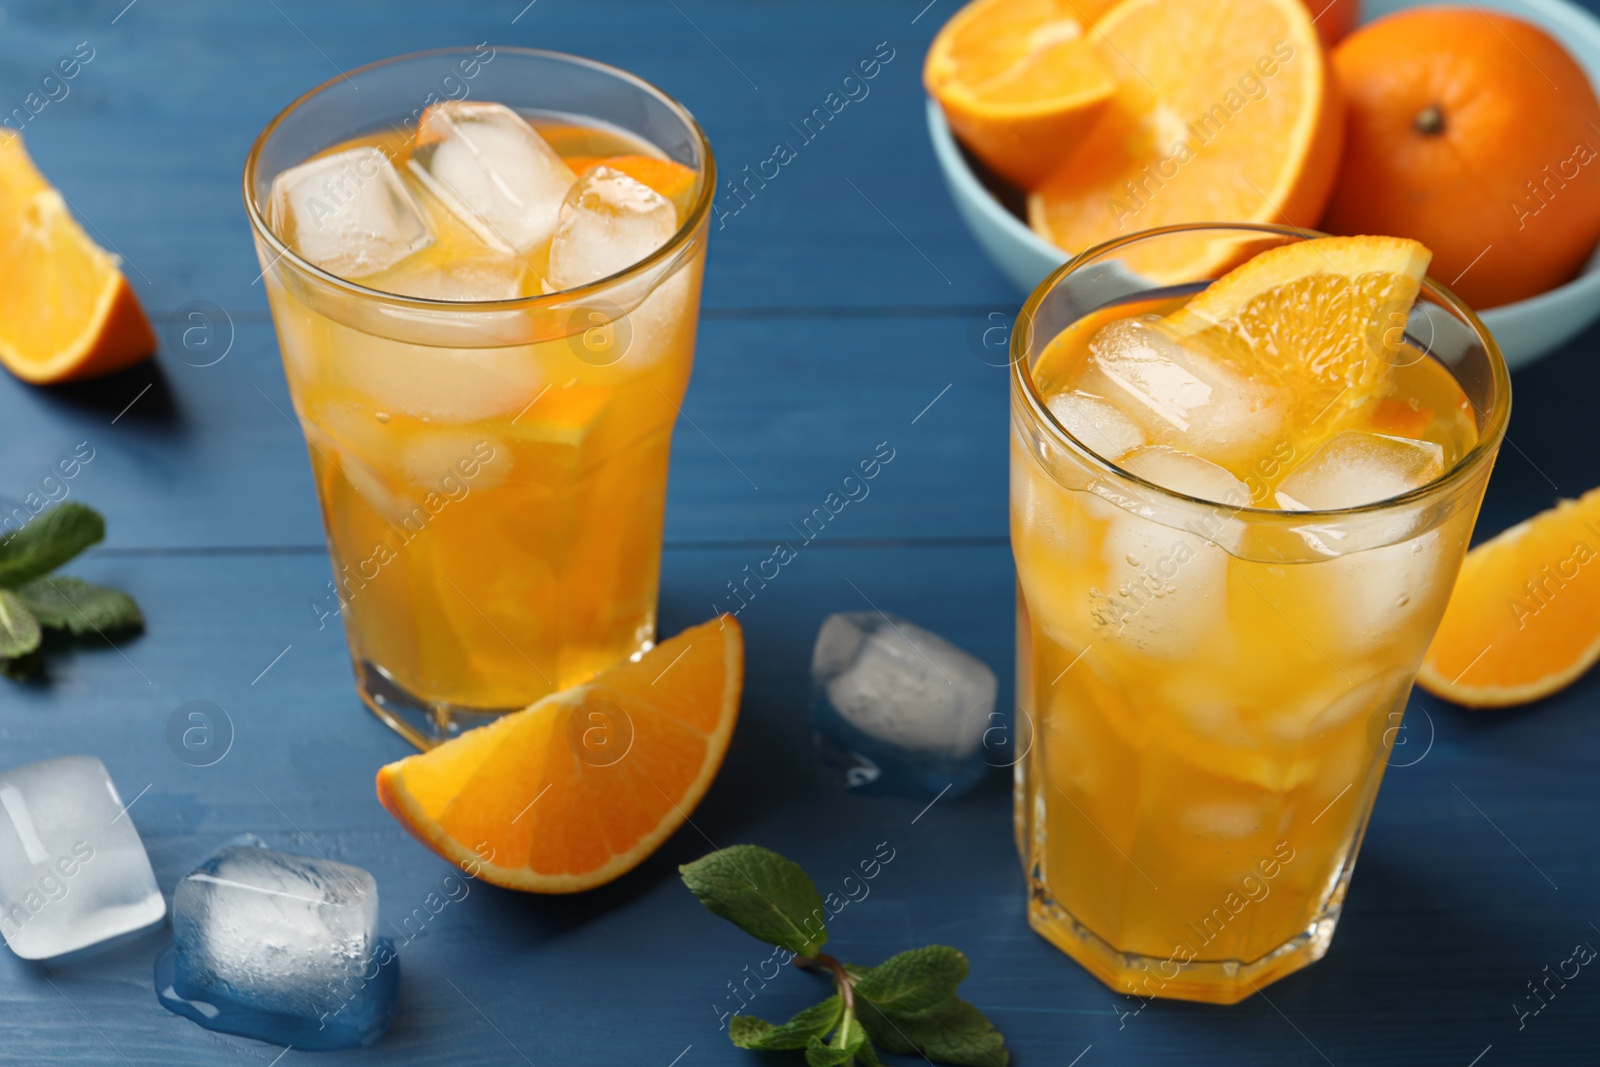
x: 1210, y: 717
x: 494, y: 513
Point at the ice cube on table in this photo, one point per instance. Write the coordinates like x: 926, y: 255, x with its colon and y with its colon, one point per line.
x: 1356, y: 467
x: 1166, y: 586
x: 348, y: 213
x: 282, y: 948
x: 73, y: 872
x: 1097, y: 424
x: 493, y: 171
x: 898, y: 709
x: 609, y: 221
x: 1180, y: 394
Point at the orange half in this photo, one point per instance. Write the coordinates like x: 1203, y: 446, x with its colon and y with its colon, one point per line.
x: 66, y: 311
x: 1218, y: 117
x: 578, y: 789
x: 1524, y: 620
x: 1020, y: 82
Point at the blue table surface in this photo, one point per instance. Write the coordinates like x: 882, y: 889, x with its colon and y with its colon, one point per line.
x: 845, y: 305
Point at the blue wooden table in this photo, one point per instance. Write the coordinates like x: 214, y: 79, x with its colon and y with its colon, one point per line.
x: 844, y: 306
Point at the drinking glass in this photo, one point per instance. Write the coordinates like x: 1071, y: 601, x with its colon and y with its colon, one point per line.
x: 1209, y: 693
x: 492, y: 474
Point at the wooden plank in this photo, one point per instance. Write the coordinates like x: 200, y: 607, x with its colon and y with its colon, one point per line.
x: 779, y: 412
x: 149, y: 142
x: 1446, y: 921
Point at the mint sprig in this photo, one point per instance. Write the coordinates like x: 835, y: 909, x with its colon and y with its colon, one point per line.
x: 905, y: 1005
x: 33, y: 599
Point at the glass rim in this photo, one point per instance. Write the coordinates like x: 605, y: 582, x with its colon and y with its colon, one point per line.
x: 560, y: 298
x: 1487, y: 445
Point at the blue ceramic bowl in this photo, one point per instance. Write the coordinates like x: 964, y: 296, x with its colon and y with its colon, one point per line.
x: 1526, y: 330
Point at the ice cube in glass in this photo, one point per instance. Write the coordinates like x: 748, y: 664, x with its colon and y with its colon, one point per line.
x: 349, y: 213
x: 493, y: 171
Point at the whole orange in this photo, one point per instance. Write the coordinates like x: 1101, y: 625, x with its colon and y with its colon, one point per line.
x: 1478, y: 135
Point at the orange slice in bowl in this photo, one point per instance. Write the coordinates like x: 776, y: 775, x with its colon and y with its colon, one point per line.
x: 1524, y: 620
x: 1217, y: 118
x: 66, y: 311
x: 1019, y: 82
x: 579, y: 788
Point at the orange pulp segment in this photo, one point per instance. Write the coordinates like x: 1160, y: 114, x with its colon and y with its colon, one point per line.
x: 581, y: 787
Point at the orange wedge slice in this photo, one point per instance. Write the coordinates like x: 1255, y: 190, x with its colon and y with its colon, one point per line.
x: 579, y: 788
x: 1321, y: 320
x: 671, y: 179
x: 1019, y: 82
x: 66, y: 311
x: 1218, y: 116
x: 1524, y: 620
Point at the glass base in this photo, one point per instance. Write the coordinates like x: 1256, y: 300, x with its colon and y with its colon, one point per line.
x: 1209, y: 981
x: 425, y: 723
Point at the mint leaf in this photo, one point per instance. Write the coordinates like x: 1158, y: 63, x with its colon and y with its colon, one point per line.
x: 912, y: 981
x: 19, y: 630
x: 816, y: 1021
x: 954, y: 1032
x: 81, y: 607
x: 819, y: 1054
x: 765, y: 895
x: 49, y: 541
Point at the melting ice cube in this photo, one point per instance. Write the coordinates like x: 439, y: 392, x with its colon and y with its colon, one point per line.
x: 73, y: 872
x: 1179, y: 394
x: 1168, y: 586
x: 1095, y: 423
x: 348, y: 213
x: 493, y: 170
x: 1356, y: 468
x: 1187, y: 474
x: 488, y: 276
x: 280, y: 947
x: 897, y: 708
x: 609, y: 221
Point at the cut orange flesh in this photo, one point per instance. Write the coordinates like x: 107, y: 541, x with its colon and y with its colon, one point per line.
x: 579, y: 788
x: 1217, y: 117
x: 66, y: 311
x: 1020, y: 82
x: 1323, y: 320
x: 1524, y: 620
